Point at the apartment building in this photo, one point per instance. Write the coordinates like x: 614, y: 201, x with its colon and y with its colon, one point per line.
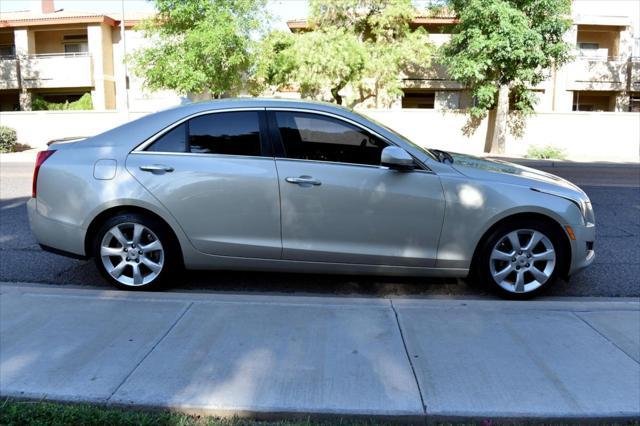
x: 604, y: 75
x: 59, y: 56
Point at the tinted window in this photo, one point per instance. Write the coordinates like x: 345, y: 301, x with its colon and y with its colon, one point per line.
x: 172, y: 141
x: 320, y: 138
x: 231, y: 133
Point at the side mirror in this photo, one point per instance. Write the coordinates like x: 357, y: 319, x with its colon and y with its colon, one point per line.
x: 397, y: 158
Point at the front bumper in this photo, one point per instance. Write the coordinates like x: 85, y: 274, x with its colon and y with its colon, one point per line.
x: 55, y: 235
x: 583, y: 247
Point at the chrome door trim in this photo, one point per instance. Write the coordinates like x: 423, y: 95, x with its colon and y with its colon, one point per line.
x: 157, y: 135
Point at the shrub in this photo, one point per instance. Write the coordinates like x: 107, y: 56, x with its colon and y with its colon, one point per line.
x: 8, y: 139
x: 84, y: 103
x: 546, y: 152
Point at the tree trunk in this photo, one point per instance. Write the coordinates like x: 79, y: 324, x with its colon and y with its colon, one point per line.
x: 336, y: 95
x: 498, y: 140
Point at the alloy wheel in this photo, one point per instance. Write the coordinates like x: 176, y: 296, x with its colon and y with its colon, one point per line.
x: 132, y: 254
x: 522, y: 260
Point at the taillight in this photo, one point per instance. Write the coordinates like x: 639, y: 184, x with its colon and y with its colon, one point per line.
x: 40, y: 159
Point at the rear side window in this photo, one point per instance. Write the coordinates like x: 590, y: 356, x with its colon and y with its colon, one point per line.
x: 174, y: 140
x: 230, y: 133
x: 317, y: 137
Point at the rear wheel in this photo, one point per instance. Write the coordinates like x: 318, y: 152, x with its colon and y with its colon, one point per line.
x: 521, y: 259
x: 135, y: 252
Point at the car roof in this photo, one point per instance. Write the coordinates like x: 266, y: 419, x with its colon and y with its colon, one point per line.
x: 190, y: 108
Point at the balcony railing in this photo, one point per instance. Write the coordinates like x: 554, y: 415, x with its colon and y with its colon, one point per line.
x: 57, y: 70
x: 635, y: 74
x: 9, y: 73
x: 597, y: 74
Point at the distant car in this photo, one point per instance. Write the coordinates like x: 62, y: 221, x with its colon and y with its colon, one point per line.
x: 274, y: 185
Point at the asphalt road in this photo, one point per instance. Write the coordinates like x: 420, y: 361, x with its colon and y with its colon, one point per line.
x: 613, y: 189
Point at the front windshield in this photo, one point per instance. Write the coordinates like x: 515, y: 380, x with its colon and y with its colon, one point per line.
x: 405, y: 139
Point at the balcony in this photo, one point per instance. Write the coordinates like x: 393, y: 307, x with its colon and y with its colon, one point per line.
x: 9, y: 73
x: 57, y: 71
x: 635, y: 74
x: 597, y: 74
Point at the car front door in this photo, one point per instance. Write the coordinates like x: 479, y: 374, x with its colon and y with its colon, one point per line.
x: 215, y: 174
x: 339, y: 205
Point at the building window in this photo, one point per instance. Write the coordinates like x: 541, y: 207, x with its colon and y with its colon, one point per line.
x: 75, y: 44
x: 7, y: 50
x: 634, y: 103
x: 419, y: 99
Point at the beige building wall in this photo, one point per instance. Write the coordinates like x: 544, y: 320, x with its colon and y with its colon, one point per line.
x: 52, y: 40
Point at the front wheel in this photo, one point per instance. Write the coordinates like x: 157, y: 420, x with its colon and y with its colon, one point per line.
x: 521, y: 259
x: 134, y: 252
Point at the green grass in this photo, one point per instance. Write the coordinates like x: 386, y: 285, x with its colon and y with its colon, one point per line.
x: 16, y: 413
x: 546, y: 153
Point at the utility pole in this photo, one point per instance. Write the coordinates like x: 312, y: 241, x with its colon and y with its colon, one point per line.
x: 123, y: 38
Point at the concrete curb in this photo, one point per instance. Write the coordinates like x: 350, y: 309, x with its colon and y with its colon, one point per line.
x: 564, y: 163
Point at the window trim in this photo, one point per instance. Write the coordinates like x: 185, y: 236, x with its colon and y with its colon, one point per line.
x: 279, y: 145
x: 265, y: 141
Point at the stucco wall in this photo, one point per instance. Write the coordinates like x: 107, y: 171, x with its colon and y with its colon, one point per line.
x: 583, y: 136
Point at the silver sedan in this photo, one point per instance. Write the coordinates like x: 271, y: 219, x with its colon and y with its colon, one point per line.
x: 254, y: 184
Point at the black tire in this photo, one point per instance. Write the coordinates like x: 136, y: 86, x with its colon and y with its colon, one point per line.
x: 171, y: 257
x: 482, y: 264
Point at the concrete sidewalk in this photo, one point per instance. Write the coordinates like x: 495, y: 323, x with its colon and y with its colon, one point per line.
x: 271, y: 356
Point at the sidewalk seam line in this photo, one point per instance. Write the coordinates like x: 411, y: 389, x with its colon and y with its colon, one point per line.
x: 406, y: 351
x: 605, y: 337
x: 182, y: 314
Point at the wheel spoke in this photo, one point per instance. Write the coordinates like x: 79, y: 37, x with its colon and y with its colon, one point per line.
x: 154, y: 246
x: 137, y: 275
x: 519, y: 286
x: 111, y: 251
x: 547, y: 255
x: 155, y: 267
x: 502, y: 274
x: 137, y: 233
x: 540, y: 276
x: 117, y: 234
x: 500, y: 255
x: 514, y: 240
x: 117, y: 270
x: 533, y: 242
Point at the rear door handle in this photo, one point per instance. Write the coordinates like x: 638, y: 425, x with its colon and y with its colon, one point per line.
x: 157, y: 169
x: 303, y: 181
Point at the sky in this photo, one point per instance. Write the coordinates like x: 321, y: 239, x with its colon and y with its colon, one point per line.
x: 281, y: 10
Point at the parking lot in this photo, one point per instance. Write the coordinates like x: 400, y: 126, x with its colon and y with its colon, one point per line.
x: 613, y: 189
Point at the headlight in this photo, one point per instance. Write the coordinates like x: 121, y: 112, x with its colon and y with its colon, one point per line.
x: 587, y: 211
x: 584, y: 205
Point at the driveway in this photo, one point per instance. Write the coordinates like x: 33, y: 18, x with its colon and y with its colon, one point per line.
x: 613, y: 189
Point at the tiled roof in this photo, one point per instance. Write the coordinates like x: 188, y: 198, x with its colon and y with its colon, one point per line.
x: 440, y: 18
x: 59, y: 17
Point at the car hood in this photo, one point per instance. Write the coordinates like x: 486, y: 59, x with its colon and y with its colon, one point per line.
x: 510, y: 173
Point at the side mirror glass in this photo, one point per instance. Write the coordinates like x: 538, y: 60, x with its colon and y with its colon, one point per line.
x: 397, y: 158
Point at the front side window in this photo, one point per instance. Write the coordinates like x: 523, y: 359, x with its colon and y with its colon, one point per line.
x: 316, y: 137
x: 230, y: 133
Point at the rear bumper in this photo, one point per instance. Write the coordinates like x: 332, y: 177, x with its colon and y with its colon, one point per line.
x: 54, y: 235
x: 583, y: 247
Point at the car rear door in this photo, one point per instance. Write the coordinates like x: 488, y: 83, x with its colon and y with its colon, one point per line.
x: 216, y: 175
x: 339, y: 205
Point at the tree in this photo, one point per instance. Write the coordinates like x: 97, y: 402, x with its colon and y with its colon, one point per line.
x: 199, y: 45
x: 356, y: 50
x: 503, y: 48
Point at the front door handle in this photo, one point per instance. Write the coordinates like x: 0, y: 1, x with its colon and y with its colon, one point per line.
x: 157, y: 169
x: 303, y: 181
